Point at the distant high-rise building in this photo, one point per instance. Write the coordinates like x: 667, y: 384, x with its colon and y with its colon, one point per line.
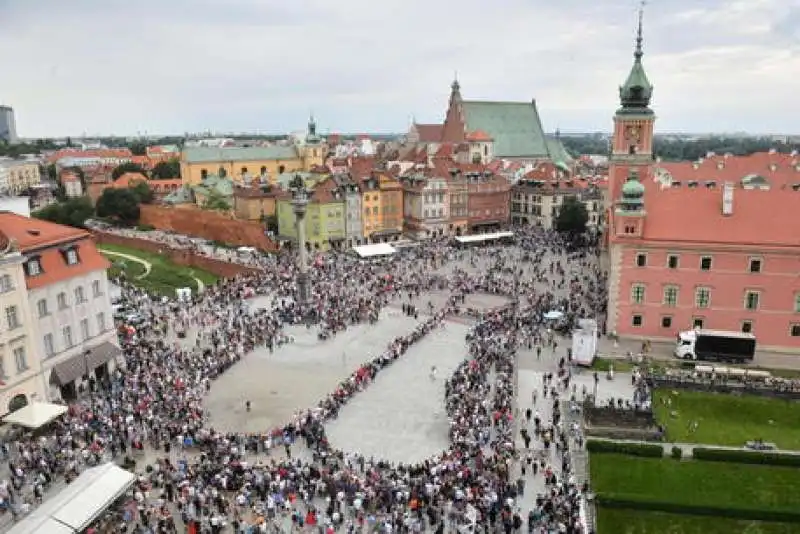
x: 8, y: 128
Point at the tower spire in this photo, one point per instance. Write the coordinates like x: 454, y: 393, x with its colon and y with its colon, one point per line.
x: 638, y: 53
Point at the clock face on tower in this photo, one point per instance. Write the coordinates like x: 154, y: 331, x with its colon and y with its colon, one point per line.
x: 632, y: 133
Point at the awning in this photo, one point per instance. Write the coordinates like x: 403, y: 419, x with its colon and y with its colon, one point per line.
x: 77, y: 366
x: 75, y: 507
x: 35, y: 415
x: 390, y: 231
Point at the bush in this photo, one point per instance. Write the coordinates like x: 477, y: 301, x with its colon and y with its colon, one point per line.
x: 620, y: 447
x: 746, y: 457
x: 677, y: 453
x: 145, y: 227
x: 635, y: 502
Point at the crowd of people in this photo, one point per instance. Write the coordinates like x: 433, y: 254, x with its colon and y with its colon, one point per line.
x: 149, y: 414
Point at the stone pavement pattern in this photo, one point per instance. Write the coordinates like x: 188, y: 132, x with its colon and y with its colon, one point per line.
x: 401, y: 416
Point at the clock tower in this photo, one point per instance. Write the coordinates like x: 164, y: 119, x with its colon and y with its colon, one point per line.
x: 632, y: 142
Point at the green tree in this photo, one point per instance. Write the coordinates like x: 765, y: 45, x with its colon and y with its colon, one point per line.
x: 270, y: 222
x: 127, y: 167
x: 144, y: 195
x: 51, y: 172
x: 72, y: 212
x: 138, y: 148
x: 572, y: 217
x: 166, y: 170
x: 215, y: 201
x: 119, y: 204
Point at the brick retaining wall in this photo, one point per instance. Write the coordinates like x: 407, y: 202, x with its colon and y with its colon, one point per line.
x: 211, y: 225
x: 187, y: 258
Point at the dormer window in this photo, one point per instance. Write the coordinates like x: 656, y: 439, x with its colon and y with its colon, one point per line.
x: 71, y: 255
x: 33, y: 267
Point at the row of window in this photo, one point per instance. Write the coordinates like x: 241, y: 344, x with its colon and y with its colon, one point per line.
x: 43, y: 308
x: 673, y: 262
x: 702, y: 297
x: 33, y: 267
x: 67, y: 338
x: 746, y: 326
x: 6, y: 283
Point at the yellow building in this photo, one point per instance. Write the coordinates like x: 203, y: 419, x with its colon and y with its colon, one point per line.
x: 17, y: 176
x: 382, y: 204
x: 251, y: 164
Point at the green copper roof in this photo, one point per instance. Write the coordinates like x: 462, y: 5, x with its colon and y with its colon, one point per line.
x: 632, y: 189
x: 637, y: 91
x: 215, y: 184
x: 206, y: 154
x: 514, y: 126
x: 558, y: 152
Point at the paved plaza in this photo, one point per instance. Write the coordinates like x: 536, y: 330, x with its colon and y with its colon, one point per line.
x: 296, y: 376
x: 401, y: 416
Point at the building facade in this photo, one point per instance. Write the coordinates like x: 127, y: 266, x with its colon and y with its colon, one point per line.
x: 488, y: 200
x: 17, y: 176
x: 352, y: 204
x: 719, y: 254
x: 324, y: 220
x: 426, y: 204
x: 382, y: 207
x: 537, y: 202
x: 20, y: 367
x: 246, y: 164
x: 69, y: 301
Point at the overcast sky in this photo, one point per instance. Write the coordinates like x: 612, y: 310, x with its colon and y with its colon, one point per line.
x: 170, y: 66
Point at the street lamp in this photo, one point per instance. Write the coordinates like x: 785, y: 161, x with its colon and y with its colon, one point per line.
x: 300, y: 208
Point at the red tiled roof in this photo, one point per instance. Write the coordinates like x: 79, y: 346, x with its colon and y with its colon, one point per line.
x: 34, y: 236
x: 444, y: 151
x: 129, y: 179
x: 689, y: 215
x: 778, y: 169
x: 478, y: 136
x: 429, y: 133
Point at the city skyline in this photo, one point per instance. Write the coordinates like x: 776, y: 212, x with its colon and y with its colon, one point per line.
x: 263, y: 66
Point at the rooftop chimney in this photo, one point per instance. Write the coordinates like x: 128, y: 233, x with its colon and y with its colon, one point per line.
x: 727, y: 198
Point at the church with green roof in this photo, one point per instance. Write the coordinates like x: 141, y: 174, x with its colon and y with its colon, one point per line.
x: 514, y: 128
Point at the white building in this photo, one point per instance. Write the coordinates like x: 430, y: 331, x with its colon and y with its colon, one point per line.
x: 20, y: 368
x: 18, y: 205
x: 426, y: 206
x: 69, y: 301
x: 18, y: 175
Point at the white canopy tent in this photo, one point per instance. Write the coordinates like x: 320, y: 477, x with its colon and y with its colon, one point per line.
x: 377, y: 249
x: 74, y: 508
x: 478, y: 238
x: 35, y: 415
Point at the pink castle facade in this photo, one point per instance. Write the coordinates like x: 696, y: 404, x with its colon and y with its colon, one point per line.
x: 710, y: 244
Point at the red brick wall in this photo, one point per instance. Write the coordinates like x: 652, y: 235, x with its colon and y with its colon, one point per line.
x: 186, y: 258
x: 208, y: 225
x: 481, y: 197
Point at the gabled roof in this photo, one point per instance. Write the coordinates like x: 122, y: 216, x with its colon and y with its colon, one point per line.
x: 129, y: 179
x: 46, y: 239
x: 429, y: 133
x: 206, y: 154
x: 515, y: 127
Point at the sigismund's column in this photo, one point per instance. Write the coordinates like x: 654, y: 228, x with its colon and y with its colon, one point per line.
x: 300, y: 207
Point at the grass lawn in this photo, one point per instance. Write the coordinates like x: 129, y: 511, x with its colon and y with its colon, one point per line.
x: 725, y: 419
x: 614, y: 521
x: 164, y: 277
x: 132, y: 269
x: 696, y: 482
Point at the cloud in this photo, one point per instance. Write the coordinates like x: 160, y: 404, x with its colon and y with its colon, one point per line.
x: 108, y: 66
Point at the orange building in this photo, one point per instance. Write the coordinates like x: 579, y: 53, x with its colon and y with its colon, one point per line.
x: 710, y: 244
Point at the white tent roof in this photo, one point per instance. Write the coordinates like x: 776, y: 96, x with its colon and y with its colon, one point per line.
x: 483, y: 237
x: 81, y: 502
x: 378, y: 249
x: 35, y: 415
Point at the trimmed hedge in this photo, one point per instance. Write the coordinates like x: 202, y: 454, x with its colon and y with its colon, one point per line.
x: 630, y: 502
x: 746, y: 457
x: 677, y: 453
x: 646, y: 450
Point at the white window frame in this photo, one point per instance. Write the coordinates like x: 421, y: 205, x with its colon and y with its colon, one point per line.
x: 697, y: 303
x: 20, y: 359
x: 636, y: 259
x: 634, y: 287
x: 760, y: 261
x: 710, y: 262
x: 747, y: 294
x: 49, y: 345
x: 667, y: 289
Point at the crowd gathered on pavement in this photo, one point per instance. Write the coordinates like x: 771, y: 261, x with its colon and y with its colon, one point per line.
x: 148, y: 415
